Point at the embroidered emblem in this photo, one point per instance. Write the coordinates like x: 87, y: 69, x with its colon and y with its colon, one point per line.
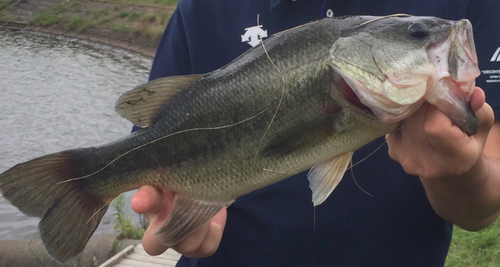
x: 253, y: 35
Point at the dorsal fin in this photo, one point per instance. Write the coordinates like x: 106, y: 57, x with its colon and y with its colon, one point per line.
x: 142, y: 103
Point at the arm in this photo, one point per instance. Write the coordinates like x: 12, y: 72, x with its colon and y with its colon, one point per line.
x: 460, y: 173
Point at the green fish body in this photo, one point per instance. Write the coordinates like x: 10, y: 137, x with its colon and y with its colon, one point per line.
x: 302, y: 98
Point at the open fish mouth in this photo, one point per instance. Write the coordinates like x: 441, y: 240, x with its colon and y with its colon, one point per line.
x: 451, y: 92
x: 395, y: 79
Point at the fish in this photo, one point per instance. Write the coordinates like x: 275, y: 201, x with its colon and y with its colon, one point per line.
x: 305, y: 97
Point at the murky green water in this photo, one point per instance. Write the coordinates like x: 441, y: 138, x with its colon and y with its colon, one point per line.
x: 58, y: 94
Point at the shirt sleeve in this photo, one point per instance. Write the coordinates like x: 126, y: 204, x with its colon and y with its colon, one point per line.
x: 172, y: 55
x: 485, y: 19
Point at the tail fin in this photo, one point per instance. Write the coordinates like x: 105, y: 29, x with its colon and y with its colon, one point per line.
x: 70, y: 214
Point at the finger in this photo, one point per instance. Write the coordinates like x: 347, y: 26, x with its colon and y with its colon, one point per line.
x: 144, y: 199
x: 157, y: 217
x: 441, y: 134
x: 205, y: 240
x: 156, y: 204
x: 192, y: 242
x: 483, y: 111
x: 437, y: 123
x: 214, y: 235
x: 401, y: 142
x: 151, y: 244
x: 477, y: 99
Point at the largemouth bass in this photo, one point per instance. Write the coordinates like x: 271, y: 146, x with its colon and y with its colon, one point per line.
x: 308, y: 96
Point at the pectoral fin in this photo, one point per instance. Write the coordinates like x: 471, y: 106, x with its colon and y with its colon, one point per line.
x: 142, y: 103
x: 187, y: 216
x: 324, y: 177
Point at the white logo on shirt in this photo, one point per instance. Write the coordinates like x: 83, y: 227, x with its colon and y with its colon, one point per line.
x: 496, y: 56
x: 253, y: 35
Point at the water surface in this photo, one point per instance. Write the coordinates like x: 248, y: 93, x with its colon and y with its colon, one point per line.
x: 58, y: 94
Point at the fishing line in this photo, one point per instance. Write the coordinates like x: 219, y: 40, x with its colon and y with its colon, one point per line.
x: 161, y: 138
x: 356, y: 182
x: 351, y: 165
x: 281, y: 98
x: 385, y: 17
x: 369, y: 155
x: 95, y: 213
x: 377, y: 149
x: 314, y: 218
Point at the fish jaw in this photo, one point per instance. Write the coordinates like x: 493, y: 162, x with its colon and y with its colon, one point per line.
x: 398, y: 73
x: 454, y: 83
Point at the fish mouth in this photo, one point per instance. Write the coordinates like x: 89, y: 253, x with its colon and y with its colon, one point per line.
x: 352, y: 97
x: 392, y: 91
x: 454, y: 83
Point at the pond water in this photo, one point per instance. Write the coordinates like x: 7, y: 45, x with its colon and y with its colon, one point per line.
x: 57, y: 94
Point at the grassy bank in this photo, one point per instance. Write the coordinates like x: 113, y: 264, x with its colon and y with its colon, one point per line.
x: 5, y: 3
x: 126, y: 21
x: 480, y: 249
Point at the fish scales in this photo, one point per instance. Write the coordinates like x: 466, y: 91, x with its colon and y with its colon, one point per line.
x: 184, y: 157
x: 307, y: 96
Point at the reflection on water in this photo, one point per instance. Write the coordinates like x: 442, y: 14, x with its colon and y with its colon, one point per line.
x: 58, y: 94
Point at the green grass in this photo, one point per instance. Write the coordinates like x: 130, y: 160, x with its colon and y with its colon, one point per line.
x: 117, y: 20
x: 147, y: 2
x: 44, y: 19
x: 6, y: 3
x: 79, y: 24
x: 124, y: 223
x: 479, y: 249
x: 134, y: 15
x: 99, y: 12
x: 123, y: 14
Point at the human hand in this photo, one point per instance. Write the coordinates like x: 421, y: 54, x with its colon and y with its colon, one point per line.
x: 428, y: 145
x: 157, y: 205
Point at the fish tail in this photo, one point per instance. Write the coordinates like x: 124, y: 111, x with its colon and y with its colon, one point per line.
x: 70, y: 213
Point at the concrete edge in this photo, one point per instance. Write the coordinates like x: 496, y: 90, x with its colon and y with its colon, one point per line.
x: 29, y: 253
x: 20, y: 25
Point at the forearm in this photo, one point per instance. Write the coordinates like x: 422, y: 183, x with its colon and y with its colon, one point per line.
x: 460, y: 173
x: 472, y: 200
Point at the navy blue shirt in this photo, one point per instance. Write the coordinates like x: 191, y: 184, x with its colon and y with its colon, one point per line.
x: 277, y: 225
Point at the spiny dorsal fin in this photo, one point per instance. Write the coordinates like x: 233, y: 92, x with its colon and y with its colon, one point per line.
x: 324, y: 177
x: 142, y: 103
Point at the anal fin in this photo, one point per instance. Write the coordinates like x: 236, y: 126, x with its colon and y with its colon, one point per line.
x: 323, y: 178
x: 188, y: 214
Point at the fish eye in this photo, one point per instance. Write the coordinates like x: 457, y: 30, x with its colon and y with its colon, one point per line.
x: 418, y: 30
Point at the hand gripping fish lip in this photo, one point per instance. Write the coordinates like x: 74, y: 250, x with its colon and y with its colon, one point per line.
x: 394, y: 83
x: 450, y: 90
